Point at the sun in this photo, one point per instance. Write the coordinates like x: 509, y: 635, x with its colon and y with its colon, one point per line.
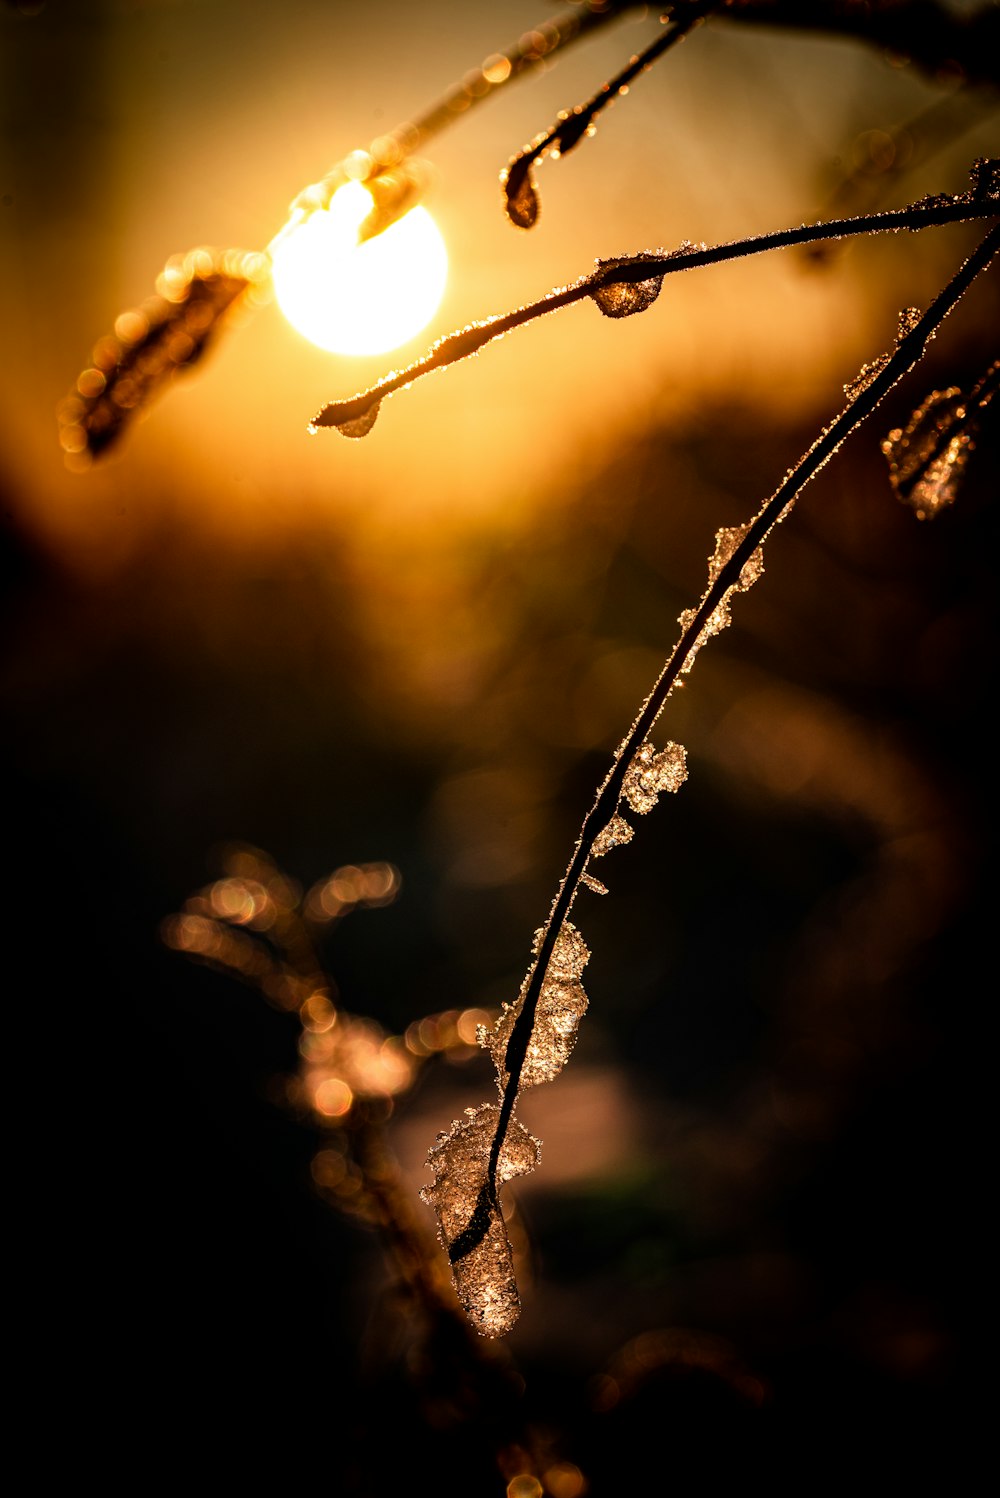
x: 353, y: 298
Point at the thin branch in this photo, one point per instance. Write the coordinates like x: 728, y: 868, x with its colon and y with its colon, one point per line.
x: 520, y: 194
x: 527, y: 53
x: 388, y: 153
x: 356, y: 415
x: 908, y: 350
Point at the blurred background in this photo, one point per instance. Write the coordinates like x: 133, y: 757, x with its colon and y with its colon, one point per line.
x: 754, y: 1240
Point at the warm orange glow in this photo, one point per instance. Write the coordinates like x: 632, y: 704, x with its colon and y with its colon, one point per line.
x: 356, y: 298
x: 565, y: 1480
x: 318, y: 1014
x: 468, y: 1024
x: 370, y: 884
x: 333, y: 1098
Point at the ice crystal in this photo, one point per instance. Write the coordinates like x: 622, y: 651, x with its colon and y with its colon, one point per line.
x: 727, y: 542
x: 594, y: 885
x: 613, y: 835
x: 570, y: 954
x: 727, y: 539
x: 985, y: 175
x: 467, y: 1207
x: 624, y: 298
x: 717, y: 621
x: 867, y: 373
x: 908, y: 319
x: 562, y: 1003
x: 650, y: 773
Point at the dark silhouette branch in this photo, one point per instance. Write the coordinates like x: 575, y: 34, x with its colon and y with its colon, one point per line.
x: 521, y: 197
x: 908, y: 350
x: 355, y: 416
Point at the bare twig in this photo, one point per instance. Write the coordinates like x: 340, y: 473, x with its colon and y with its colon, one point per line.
x: 873, y: 388
x: 520, y: 194
x: 356, y: 415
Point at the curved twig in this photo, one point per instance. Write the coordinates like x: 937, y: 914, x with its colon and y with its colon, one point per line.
x: 355, y: 415
x: 521, y: 197
x: 396, y: 146
x: 908, y: 350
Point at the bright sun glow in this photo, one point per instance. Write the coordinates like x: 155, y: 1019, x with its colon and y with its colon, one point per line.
x: 356, y: 298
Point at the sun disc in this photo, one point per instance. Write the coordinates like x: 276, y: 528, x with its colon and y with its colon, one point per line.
x: 352, y: 298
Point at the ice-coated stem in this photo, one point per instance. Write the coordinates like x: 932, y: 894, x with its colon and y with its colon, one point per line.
x: 907, y: 352
x: 459, y: 345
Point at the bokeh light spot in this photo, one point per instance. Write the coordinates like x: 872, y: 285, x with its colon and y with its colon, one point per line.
x: 333, y: 1098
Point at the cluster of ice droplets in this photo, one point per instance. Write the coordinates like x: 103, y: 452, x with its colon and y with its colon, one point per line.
x: 909, y: 317
x: 562, y: 1003
x: 651, y: 772
x: 727, y: 540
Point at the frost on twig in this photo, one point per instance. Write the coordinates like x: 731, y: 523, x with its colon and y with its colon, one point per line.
x: 531, y: 1040
x: 627, y: 284
x: 562, y: 1003
x: 650, y: 773
x: 647, y: 776
x: 727, y: 540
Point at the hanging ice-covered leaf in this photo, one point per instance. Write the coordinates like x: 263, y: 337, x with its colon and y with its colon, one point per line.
x: 360, y: 426
x: 521, y: 198
x: 468, y: 1208
x: 928, y: 457
x: 624, y: 298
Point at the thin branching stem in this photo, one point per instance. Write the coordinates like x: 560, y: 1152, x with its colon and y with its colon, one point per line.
x: 643, y: 267
x: 908, y: 350
x: 527, y: 54
x: 524, y: 56
x: 569, y: 129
